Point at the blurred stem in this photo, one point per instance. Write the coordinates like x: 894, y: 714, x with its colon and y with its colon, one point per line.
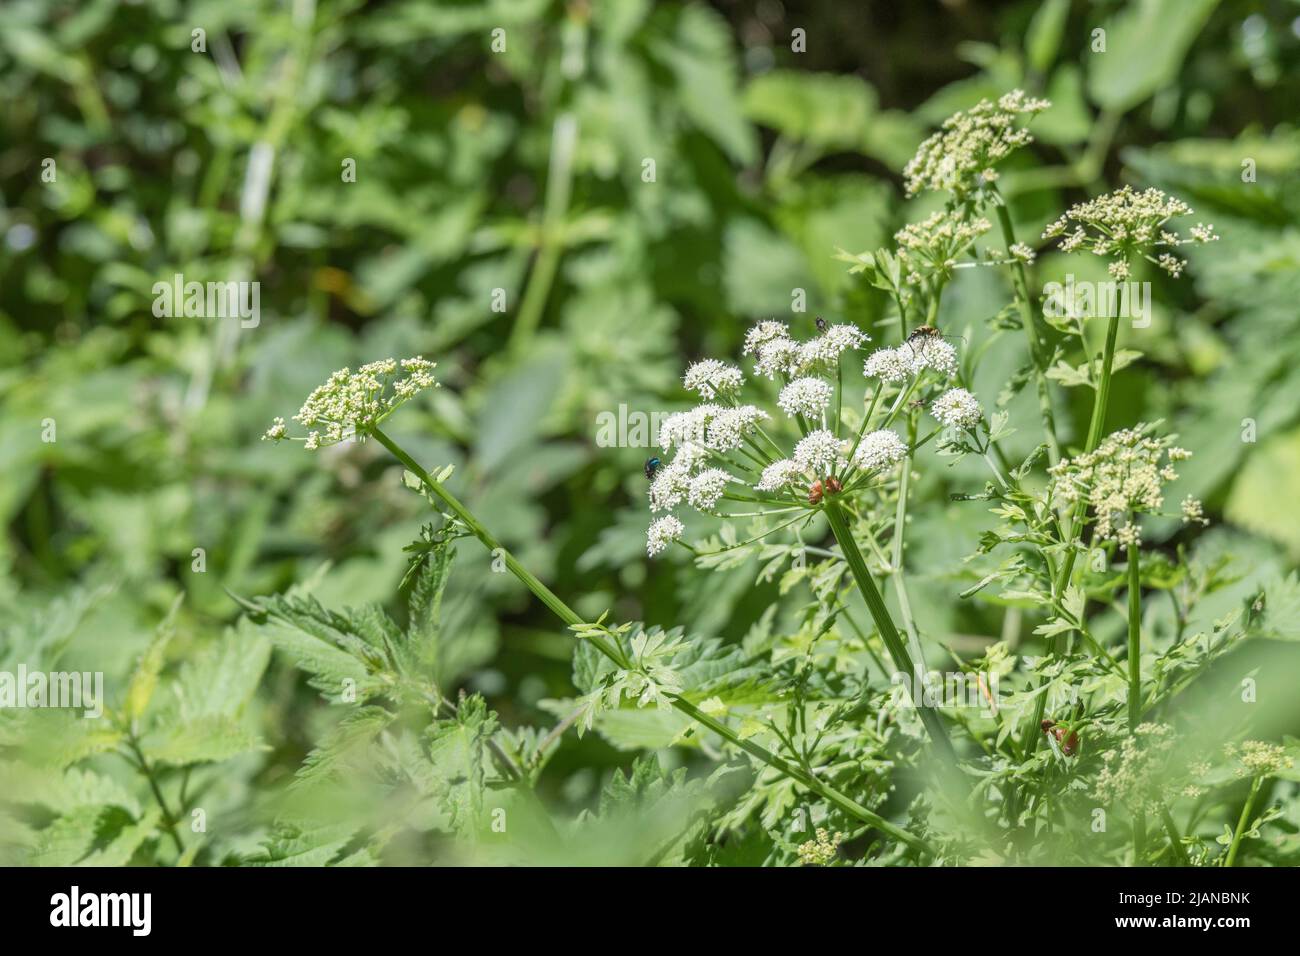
x: 571, y: 618
x: 1134, y: 638
x: 1175, y: 838
x: 896, y: 559
x: 1242, y: 821
x: 169, y: 821
x: 1033, y: 333
x: 559, y: 187
x: 888, y: 631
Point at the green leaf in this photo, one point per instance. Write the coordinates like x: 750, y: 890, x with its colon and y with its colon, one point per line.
x: 1145, y: 45
x: 145, y: 677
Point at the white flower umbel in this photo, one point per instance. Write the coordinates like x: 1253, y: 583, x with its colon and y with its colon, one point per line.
x: 1123, y: 478
x: 932, y: 352
x: 711, y: 377
x: 957, y: 408
x: 818, y: 451
x: 824, y: 351
x: 779, y: 356
x: 1125, y: 225
x: 879, y: 449
x: 728, y: 429
x: 780, y: 474
x: 889, y: 365
x: 707, y: 488
x: 960, y: 158
x: 670, y: 485
x: 685, y: 428
x: 662, y: 532
x: 805, y: 396
x: 352, y: 403
x: 762, y: 333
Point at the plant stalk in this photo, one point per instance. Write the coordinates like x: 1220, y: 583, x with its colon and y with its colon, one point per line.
x: 888, y: 631
x: 571, y: 618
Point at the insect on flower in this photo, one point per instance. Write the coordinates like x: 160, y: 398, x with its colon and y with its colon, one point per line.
x: 831, y: 486
x: 821, y: 324
x: 1068, y: 739
x: 652, y: 466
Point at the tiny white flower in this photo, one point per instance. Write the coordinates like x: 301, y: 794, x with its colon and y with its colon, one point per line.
x: 662, y: 532
x: 710, y: 376
x: 805, y: 396
x: 879, y: 449
x: 707, y: 488
x: 779, y: 474
x: 817, y: 451
x: 276, y: 432
x: 957, y: 408
x: 889, y: 365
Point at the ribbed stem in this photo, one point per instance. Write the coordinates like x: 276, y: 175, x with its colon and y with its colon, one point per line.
x: 888, y: 631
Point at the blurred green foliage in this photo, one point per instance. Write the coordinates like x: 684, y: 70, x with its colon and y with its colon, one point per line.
x: 523, y: 175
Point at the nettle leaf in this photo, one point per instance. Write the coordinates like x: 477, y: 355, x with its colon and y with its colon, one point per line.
x: 424, y: 628
x: 299, y: 844
x: 353, y: 734
x: 457, y: 752
x: 326, y: 644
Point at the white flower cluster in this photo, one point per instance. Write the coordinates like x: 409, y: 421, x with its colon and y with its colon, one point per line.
x: 711, y: 377
x: 913, y: 357
x: 1125, y: 225
x: 1142, y: 773
x: 961, y: 157
x: 879, y: 449
x: 713, y: 444
x: 933, y: 245
x: 776, y: 353
x: 957, y: 408
x: 351, y: 403
x: 805, y: 396
x: 1124, y: 477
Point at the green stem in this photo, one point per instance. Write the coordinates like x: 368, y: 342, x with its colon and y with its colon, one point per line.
x: 1134, y: 638
x: 1095, y: 428
x: 885, y: 625
x: 1175, y: 838
x: 571, y: 618
x: 1242, y: 821
x: 1033, y: 333
x: 169, y: 822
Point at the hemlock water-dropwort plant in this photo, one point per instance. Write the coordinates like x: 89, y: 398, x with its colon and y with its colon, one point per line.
x: 813, y: 455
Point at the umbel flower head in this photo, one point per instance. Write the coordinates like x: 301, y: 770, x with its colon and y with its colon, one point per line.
x: 352, y: 403
x: 723, y: 452
x: 960, y: 158
x: 933, y: 245
x: 1123, y: 478
x: 1126, y: 225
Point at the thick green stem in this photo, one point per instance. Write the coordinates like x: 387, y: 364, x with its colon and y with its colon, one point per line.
x: 888, y: 631
x: 1134, y: 638
x: 1242, y: 821
x: 571, y: 618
